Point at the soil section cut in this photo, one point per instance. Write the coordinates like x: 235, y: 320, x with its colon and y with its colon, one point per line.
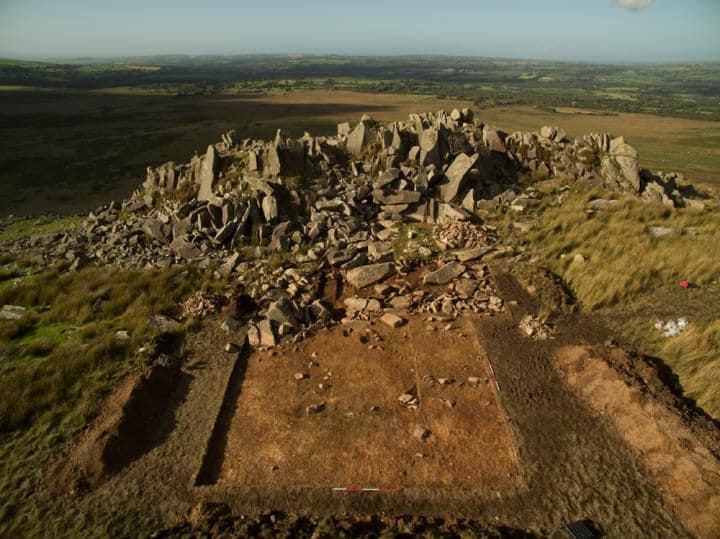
x: 681, y: 456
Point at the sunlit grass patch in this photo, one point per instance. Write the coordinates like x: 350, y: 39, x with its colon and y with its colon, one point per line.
x: 22, y: 228
x: 618, y: 270
x: 70, y: 326
x: 620, y: 258
x: 694, y: 356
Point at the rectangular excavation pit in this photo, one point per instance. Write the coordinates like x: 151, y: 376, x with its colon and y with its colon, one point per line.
x: 364, y: 436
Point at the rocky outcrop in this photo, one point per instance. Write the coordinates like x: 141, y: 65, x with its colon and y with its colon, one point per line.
x: 207, y: 176
x: 296, y: 221
x: 457, y: 177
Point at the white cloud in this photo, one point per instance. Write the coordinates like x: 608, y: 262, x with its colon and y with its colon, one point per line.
x: 635, y: 5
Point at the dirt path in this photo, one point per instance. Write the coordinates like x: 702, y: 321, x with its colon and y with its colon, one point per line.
x: 576, y: 466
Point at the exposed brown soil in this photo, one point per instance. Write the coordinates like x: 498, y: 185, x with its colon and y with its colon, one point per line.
x: 135, y: 417
x: 680, y: 451
x: 540, y: 457
x: 364, y: 435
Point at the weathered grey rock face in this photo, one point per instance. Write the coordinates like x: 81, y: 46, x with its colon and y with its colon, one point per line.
x: 342, y: 214
x: 285, y: 156
x: 371, y: 274
x: 283, y: 312
x: 626, y: 159
x: 157, y: 230
x: 360, y: 138
x: 395, y: 197
x: 344, y: 129
x: 456, y: 176
x: 207, y: 177
x: 430, y: 147
x: 270, y: 208
x: 467, y: 255
x: 556, y: 134
x: 185, y: 249
x: 267, y: 333
x: 494, y: 141
x: 445, y: 274
x: 160, y: 324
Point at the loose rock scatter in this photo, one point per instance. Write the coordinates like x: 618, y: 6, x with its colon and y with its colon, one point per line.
x: 285, y: 218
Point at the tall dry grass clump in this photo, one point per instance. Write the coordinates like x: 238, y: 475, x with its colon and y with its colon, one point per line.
x: 617, y: 267
x: 609, y: 256
x: 695, y: 357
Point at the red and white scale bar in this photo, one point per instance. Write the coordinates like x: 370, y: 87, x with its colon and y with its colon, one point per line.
x: 363, y: 489
x: 492, y: 373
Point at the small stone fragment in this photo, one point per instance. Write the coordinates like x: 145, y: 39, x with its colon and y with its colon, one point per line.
x: 315, y: 409
x: 421, y: 433
x: 392, y: 320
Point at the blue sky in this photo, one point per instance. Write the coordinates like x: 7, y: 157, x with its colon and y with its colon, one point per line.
x: 587, y: 30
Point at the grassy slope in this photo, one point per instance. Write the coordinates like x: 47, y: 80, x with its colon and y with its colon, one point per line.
x: 630, y: 279
x: 61, y: 358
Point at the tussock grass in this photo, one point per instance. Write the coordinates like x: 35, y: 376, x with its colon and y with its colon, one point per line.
x: 622, y: 260
x: 630, y: 278
x: 694, y: 356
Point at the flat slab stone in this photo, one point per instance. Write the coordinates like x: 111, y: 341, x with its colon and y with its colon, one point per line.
x: 371, y: 274
x: 472, y: 254
x: 392, y: 320
x: 12, y: 312
x: 396, y: 197
x: 445, y: 274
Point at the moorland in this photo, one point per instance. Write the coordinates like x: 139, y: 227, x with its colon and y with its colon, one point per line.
x: 577, y: 424
x: 81, y: 132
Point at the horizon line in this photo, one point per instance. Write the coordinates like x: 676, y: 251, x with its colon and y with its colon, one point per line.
x: 59, y: 59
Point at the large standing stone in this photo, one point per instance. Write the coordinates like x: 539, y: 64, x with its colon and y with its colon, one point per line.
x: 360, y: 138
x: 270, y: 208
x: 267, y: 334
x: 207, y: 174
x: 445, y: 274
x: 367, y: 275
x: 627, y: 159
x: 494, y: 141
x: 430, y: 147
x: 253, y: 163
x: 456, y: 176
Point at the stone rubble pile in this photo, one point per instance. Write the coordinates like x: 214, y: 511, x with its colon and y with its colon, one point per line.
x: 533, y: 327
x: 280, y: 217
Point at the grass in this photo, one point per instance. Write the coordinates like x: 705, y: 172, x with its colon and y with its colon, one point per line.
x: 629, y: 279
x: 622, y: 260
x: 694, y: 356
x: 60, y: 359
x: 21, y: 228
x: 70, y: 327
